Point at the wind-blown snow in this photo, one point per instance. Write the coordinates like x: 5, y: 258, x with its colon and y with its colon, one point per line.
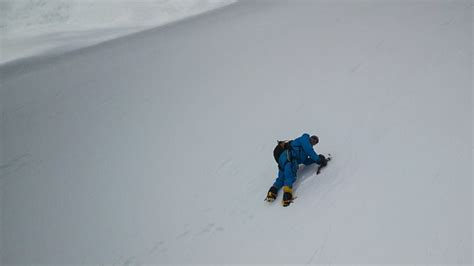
x: 157, y: 147
x: 33, y: 27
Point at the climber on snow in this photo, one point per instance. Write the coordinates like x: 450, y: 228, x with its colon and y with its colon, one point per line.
x: 289, y: 155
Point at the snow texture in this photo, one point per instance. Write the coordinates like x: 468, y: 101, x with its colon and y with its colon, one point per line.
x: 157, y: 147
x: 35, y: 27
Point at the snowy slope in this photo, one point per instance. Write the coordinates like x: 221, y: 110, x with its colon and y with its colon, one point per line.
x: 156, y: 147
x: 37, y: 27
x: 1, y: 177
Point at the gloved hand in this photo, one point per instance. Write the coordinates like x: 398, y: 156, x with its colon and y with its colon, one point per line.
x: 323, y: 159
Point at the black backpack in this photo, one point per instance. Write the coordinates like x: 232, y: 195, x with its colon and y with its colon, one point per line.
x: 281, y: 147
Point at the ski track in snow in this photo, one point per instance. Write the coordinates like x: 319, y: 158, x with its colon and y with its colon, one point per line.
x: 14, y: 165
x: 320, y: 249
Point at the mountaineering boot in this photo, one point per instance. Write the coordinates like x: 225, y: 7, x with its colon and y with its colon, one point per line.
x: 287, y: 196
x: 272, y: 194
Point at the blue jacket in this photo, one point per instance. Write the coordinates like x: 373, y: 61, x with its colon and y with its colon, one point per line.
x: 302, y: 152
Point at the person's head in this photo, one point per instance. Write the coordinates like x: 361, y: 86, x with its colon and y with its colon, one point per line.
x: 314, y: 140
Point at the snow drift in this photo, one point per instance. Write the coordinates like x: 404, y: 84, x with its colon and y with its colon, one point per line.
x: 35, y: 27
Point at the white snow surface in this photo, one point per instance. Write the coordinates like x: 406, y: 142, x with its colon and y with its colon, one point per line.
x: 37, y: 27
x: 157, y: 147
